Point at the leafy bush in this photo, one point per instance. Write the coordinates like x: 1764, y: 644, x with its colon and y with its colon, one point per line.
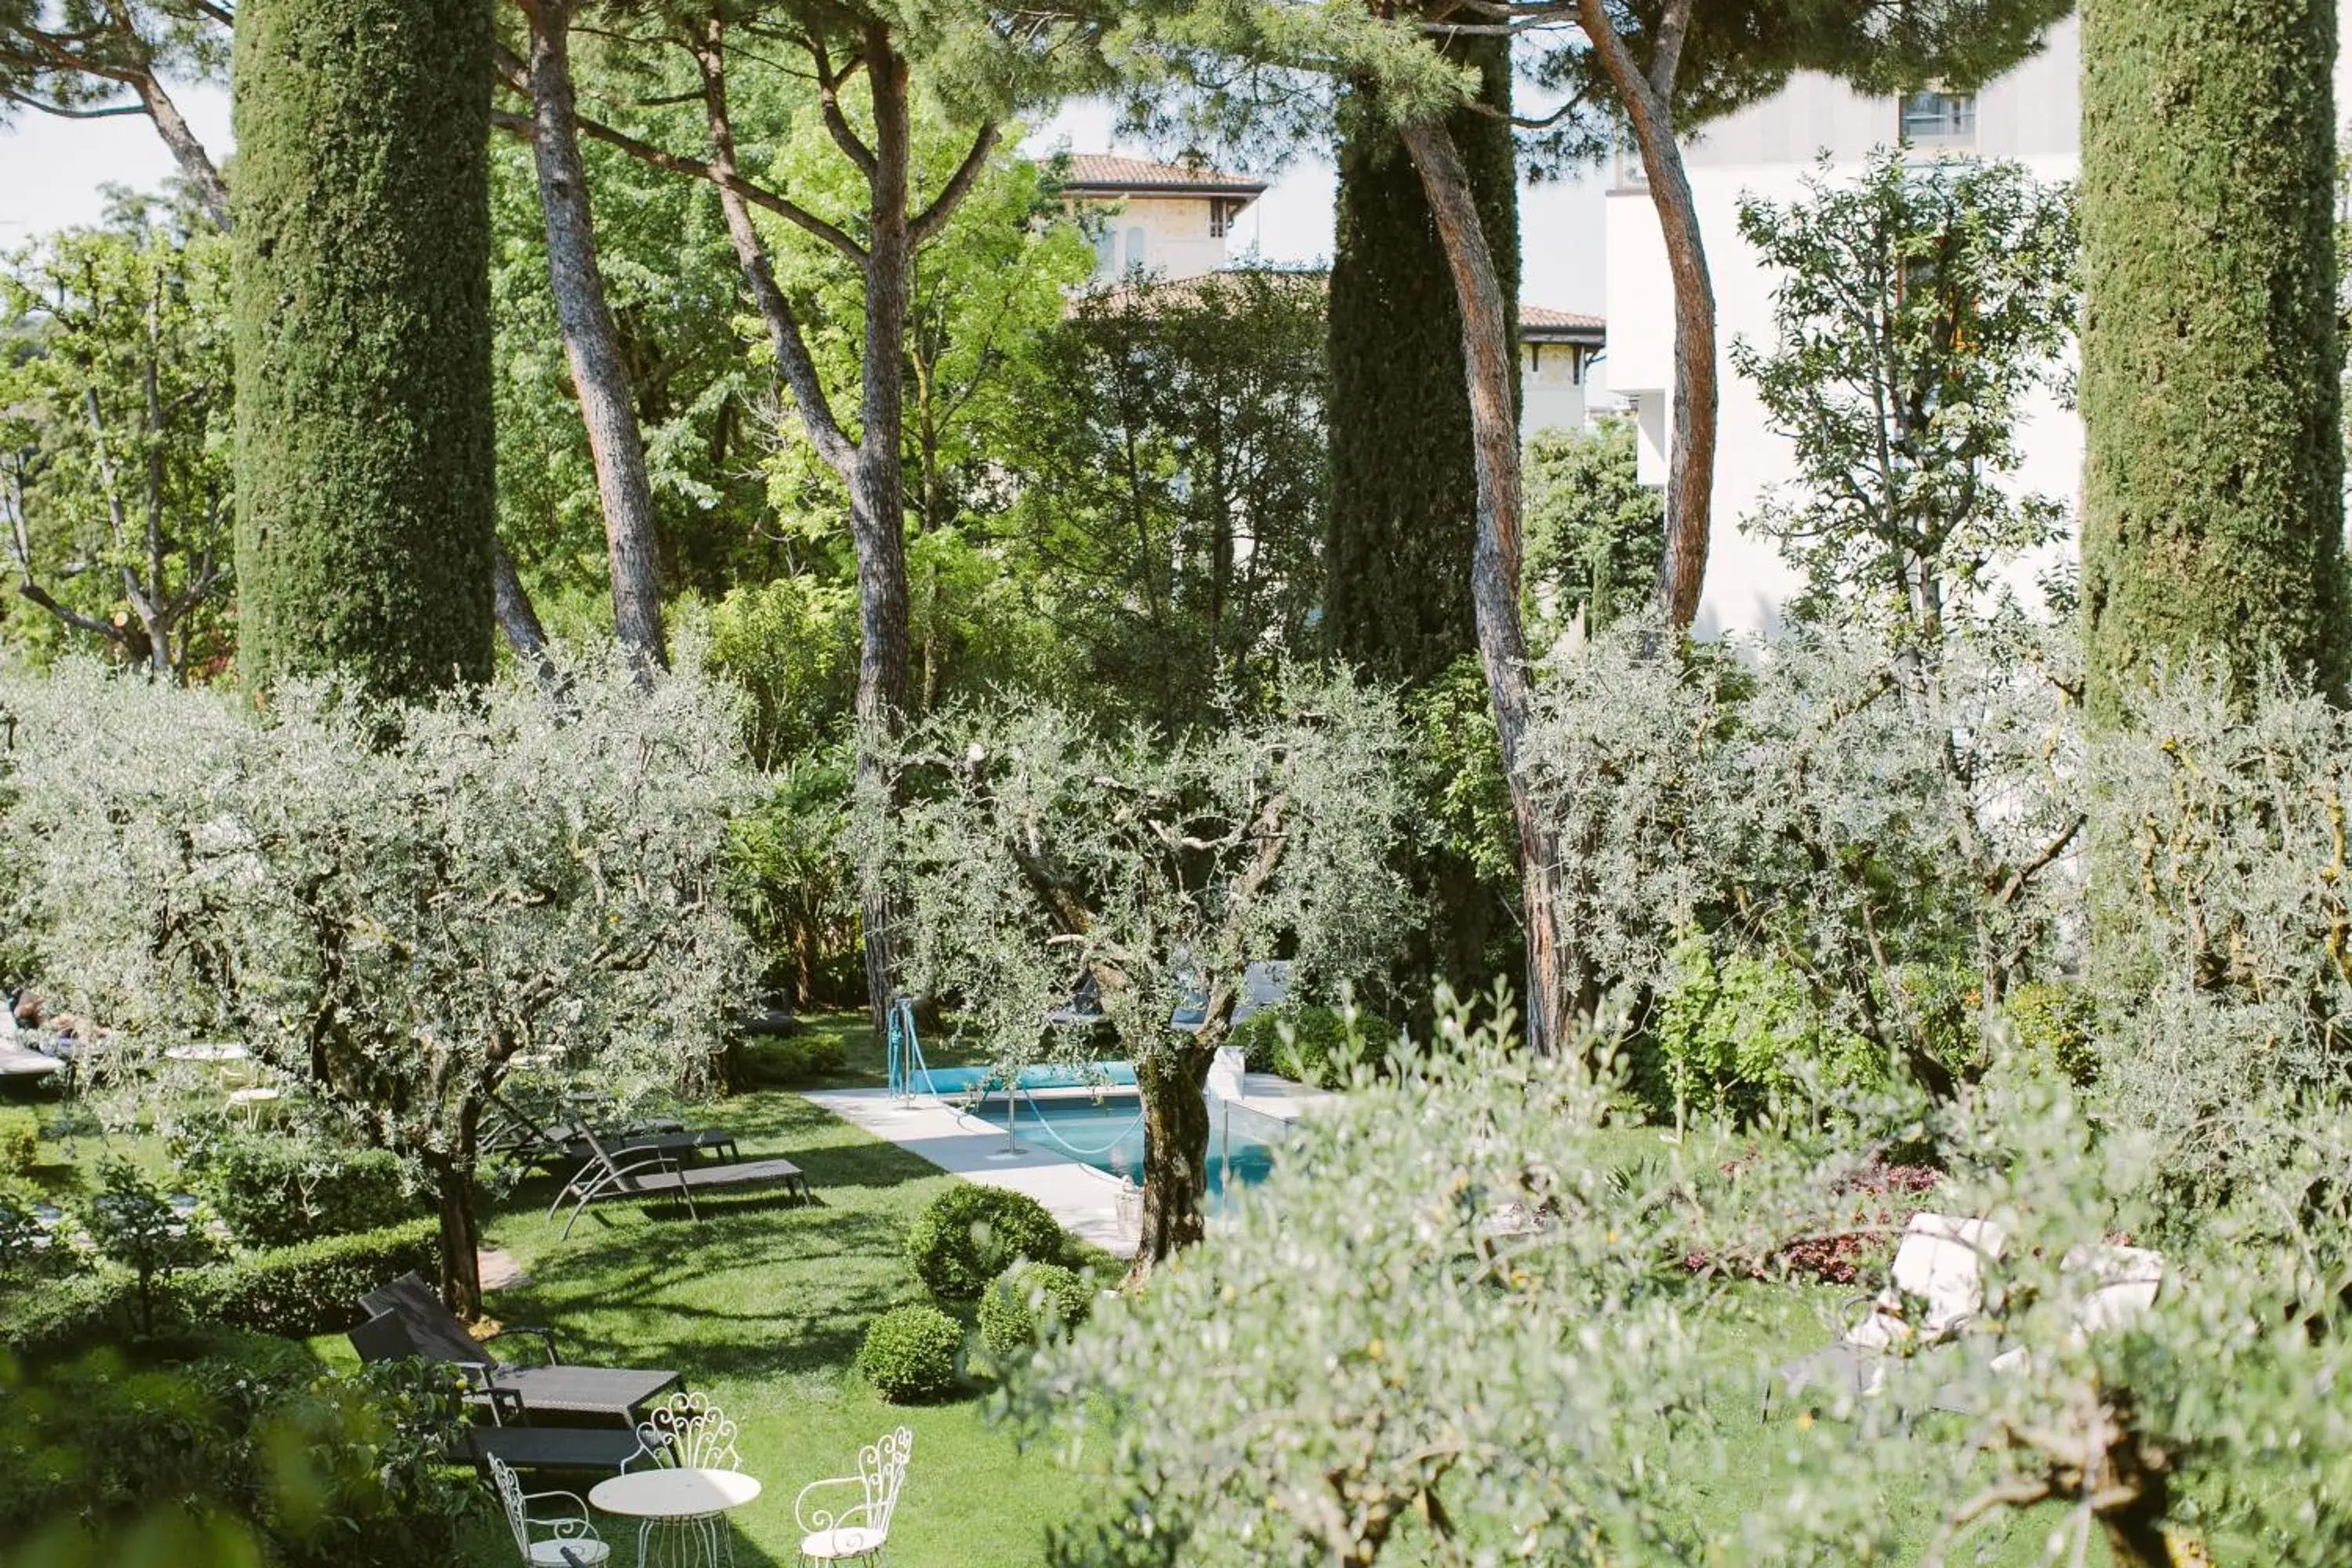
x: 799, y: 1058
x: 966, y: 1236
x: 283, y: 1464
x: 1309, y: 1044
x: 312, y: 1288
x: 65, y: 1318
x: 2054, y: 1021
x: 909, y: 1353
x: 131, y: 1223
x: 20, y: 1140
x: 1030, y: 1303
x: 276, y: 1191
x: 1730, y: 1033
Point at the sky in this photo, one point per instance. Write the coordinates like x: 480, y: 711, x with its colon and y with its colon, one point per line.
x: 51, y: 173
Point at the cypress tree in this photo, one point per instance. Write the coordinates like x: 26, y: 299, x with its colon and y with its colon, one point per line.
x: 363, y: 445
x: 2214, y: 516
x: 1404, y: 489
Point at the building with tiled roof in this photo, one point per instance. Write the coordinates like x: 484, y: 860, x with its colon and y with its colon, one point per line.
x: 1171, y: 220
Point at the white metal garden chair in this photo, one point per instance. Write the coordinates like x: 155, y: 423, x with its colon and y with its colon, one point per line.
x: 851, y: 1531
x: 571, y: 1541
x: 689, y: 1432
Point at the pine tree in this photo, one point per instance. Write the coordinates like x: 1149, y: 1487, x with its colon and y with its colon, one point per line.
x: 364, y: 454
x: 1404, y: 489
x: 2214, y: 513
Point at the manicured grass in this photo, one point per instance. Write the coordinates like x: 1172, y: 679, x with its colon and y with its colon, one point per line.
x: 761, y: 1305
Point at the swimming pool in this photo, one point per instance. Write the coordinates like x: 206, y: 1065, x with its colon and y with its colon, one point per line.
x: 1044, y: 1075
x: 1105, y: 1131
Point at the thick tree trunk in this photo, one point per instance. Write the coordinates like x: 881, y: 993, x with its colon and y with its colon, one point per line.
x: 1552, y: 982
x: 461, y: 1230
x: 591, y: 343
x: 1648, y: 101
x: 1174, y: 1089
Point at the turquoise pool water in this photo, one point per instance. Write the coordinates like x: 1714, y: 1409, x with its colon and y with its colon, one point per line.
x: 963, y: 1080
x: 1107, y: 1132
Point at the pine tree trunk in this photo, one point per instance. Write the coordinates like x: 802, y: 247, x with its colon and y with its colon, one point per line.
x: 1553, y: 985
x: 2213, y: 520
x: 1648, y: 102
x: 365, y: 460
x: 591, y: 343
x: 1173, y: 1085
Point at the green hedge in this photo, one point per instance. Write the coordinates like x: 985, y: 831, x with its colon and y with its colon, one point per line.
x: 909, y: 1353
x: 1029, y: 1302
x: 66, y: 1318
x: 967, y: 1236
x: 312, y: 1288
x: 280, y: 1192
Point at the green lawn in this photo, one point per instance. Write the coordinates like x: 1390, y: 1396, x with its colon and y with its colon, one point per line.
x: 761, y: 1305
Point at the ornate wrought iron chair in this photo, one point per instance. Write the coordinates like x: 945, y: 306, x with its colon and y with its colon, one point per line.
x: 851, y: 1531
x: 570, y: 1541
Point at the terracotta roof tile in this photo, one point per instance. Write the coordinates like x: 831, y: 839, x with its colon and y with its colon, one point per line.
x: 1101, y: 171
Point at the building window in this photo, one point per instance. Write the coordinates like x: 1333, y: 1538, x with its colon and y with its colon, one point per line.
x: 1945, y: 117
x: 1135, y: 249
x: 1220, y: 217
x: 1106, y: 252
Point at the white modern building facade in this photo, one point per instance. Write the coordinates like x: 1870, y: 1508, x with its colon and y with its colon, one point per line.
x: 1768, y: 152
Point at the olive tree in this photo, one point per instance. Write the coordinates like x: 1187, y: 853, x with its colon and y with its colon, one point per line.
x: 1461, y: 1325
x: 389, y: 904
x: 1033, y: 853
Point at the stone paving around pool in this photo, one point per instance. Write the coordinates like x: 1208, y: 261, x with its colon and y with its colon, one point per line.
x: 1084, y: 1199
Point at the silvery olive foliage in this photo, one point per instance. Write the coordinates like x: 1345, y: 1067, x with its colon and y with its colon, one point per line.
x: 1461, y: 1324
x: 1034, y: 850
x: 1813, y: 806
x: 2224, y: 960
x: 1031, y: 853
x: 387, y: 905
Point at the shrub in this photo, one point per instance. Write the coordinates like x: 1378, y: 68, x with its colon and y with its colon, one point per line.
x: 1733, y: 1032
x: 131, y: 1223
x: 1312, y: 1045
x: 20, y: 1140
x: 1029, y: 1303
x: 64, y: 1319
x: 2054, y: 1020
x: 967, y: 1234
x: 276, y: 1191
x: 290, y: 1467
x: 909, y: 1353
x: 310, y: 1288
x: 799, y: 1058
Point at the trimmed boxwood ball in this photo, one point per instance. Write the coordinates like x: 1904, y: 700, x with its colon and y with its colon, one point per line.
x: 909, y: 1353
x: 967, y: 1236
x: 1028, y: 1302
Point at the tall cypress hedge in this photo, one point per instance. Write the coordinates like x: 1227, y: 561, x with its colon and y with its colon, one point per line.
x: 1404, y: 489
x: 2214, y: 516
x: 363, y: 423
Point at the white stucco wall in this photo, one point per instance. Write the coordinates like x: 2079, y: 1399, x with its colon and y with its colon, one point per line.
x: 1551, y: 392
x: 1176, y: 241
x: 1767, y: 152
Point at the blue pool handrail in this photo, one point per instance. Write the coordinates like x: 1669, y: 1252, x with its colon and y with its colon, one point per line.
x: 903, y: 1061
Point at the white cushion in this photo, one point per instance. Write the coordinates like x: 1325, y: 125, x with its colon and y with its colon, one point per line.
x: 833, y: 1545
x: 550, y: 1553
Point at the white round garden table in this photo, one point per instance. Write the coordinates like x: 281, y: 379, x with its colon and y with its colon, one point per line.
x: 681, y: 1514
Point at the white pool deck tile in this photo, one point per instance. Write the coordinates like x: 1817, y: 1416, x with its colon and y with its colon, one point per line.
x: 1084, y: 1199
